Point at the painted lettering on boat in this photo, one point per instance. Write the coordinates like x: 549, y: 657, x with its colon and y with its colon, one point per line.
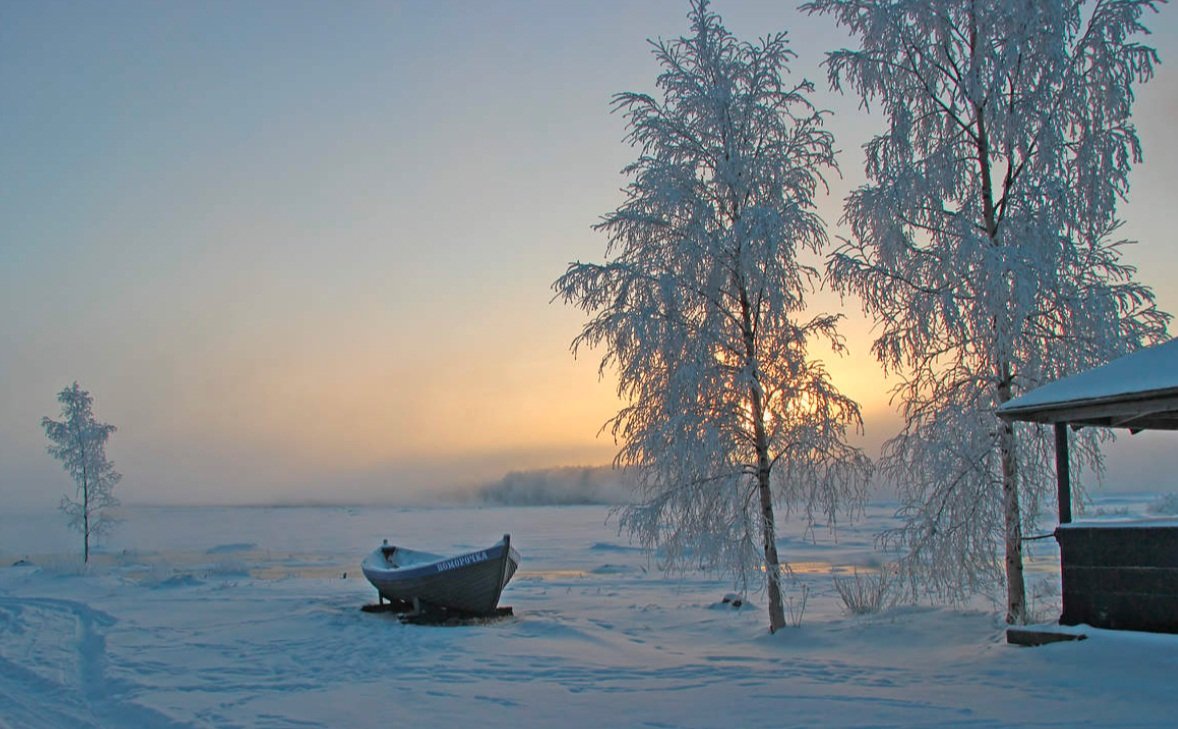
x: 462, y: 561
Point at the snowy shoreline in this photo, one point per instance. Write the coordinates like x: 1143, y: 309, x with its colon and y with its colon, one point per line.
x: 244, y: 617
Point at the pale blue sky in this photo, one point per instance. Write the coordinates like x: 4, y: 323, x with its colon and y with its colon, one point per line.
x: 304, y: 249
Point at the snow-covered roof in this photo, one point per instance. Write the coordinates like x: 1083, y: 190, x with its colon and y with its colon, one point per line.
x: 1150, y: 523
x: 1137, y: 391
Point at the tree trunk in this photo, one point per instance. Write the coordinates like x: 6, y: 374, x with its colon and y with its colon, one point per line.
x: 1016, y: 605
x: 85, y: 503
x: 772, y: 562
x: 1016, y: 591
x: 768, y: 520
x: 761, y: 447
x: 1016, y: 602
x: 85, y: 523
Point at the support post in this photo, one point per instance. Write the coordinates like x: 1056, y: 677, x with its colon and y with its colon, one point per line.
x: 1063, y: 476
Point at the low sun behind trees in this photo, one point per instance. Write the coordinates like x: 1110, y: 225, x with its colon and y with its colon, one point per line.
x: 698, y: 309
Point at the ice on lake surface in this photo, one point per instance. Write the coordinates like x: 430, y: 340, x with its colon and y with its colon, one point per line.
x: 249, y: 616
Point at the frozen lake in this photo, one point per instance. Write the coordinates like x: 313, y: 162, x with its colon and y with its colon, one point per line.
x: 249, y: 617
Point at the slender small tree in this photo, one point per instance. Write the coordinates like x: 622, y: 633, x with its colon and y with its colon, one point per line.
x: 984, y: 244
x: 79, y: 442
x: 726, y: 415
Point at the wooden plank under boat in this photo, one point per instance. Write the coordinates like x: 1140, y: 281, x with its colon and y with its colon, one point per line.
x: 469, y: 583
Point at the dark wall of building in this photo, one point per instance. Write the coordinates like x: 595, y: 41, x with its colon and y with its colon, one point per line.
x: 1120, y: 577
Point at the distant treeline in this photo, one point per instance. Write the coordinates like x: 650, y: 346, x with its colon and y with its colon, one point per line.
x: 560, y: 487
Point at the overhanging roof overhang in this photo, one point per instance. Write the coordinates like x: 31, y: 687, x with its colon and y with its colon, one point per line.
x: 1138, y: 391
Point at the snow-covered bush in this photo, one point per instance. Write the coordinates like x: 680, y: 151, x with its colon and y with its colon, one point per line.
x: 866, y: 594
x: 1045, y: 600
x: 1164, y: 505
x: 795, y: 607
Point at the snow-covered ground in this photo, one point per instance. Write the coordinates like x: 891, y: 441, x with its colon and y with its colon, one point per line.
x: 249, y: 617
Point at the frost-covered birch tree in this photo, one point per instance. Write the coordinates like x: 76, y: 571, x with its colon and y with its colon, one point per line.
x: 699, y: 310
x: 79, y: 442
x: 985, y: 245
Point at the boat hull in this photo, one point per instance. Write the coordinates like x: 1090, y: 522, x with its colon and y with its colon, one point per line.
x: 467, y: 583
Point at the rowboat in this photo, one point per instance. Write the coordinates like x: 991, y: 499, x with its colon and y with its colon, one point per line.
x: 469, y: 583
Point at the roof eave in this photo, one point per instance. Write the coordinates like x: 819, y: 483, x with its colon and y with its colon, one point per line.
x: 1155, y: 409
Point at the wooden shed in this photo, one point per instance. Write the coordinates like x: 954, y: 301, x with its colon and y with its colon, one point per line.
x: 1119, y: 575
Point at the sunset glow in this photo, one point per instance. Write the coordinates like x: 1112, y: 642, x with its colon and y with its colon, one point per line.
x: 293, y: 250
